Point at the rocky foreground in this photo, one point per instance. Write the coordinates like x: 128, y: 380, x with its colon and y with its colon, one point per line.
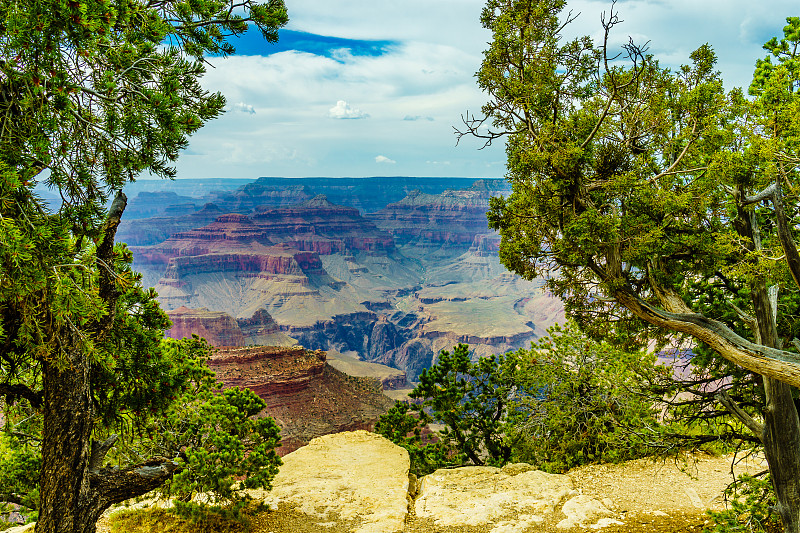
x: 358, y: 482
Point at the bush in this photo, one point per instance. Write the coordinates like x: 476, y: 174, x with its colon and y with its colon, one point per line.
x: 579, y: 401
x: 565, y: 402
x: 752, y: 505
x: 426, y: 451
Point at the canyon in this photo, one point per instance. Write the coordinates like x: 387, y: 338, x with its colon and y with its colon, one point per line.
x: 387, y: 271
x: 306, y: 396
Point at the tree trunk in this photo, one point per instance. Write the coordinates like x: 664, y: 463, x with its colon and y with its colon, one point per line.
x: 74, y: 490
x: 782, y: 450
x: 781, y: 435
x: 66, y: 502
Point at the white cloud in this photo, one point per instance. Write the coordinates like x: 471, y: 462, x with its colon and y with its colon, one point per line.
x: 244, y: 108
x: 384, y: 159
x: 343, y: 110
x: 417, y: 90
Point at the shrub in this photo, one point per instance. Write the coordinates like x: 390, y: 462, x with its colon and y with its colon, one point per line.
x: 752, y: 508
x: 565, y: 402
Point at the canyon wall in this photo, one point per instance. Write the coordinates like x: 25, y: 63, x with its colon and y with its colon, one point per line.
x: 221, y: 329
x: 306, y: 397
x: 418, y: 274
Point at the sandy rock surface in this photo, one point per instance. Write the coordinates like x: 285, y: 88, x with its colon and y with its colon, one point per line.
x: 358, y: 482
x: 351, y: 476
x: 480, y: 495
x: 28, y: 528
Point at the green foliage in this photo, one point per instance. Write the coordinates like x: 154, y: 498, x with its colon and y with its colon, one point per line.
x: 565, y: 402
x: 97, y: 91
x: 92, y: 93
x: 752, y: 508
x: 660, y: 208
x: 221, y: 441
x: 471, y: 400
x: 426, y: 452
x: 583, y: 402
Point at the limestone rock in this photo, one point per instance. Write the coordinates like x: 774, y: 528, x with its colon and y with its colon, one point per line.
x: 390, y: 378
x: 582, y: 511
x: 353, y: 476
x: 27, y: 528
x: 479, y: 495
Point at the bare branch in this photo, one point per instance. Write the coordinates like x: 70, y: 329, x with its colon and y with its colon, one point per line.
x: 12, y: 392
x: 114, y: 486
x: 747, y: 420
x: 99, y: 451
x: 766, y: 194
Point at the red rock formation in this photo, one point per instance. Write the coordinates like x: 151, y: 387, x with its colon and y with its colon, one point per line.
x: 219, y: 329
x: 276, y: 374
x: 309, y: 224
x: 305, y: 396
x: 450, y: 218
x: 275, y: 260
x: 316, y: 226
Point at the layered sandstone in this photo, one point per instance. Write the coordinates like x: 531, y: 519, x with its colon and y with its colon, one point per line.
x: 305, y: 396
x: 314, y: 226
x: 318, y: 225
x: 221, y: 329
x: 334, y: 280
x: 452, y: 218
x: 276, y: 374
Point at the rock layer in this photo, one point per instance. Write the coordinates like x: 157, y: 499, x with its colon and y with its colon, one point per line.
x: 305, y: 396
x: 451, y: 219
x: 221, y: 329
x: 275, y: 374
x: 356, y: 477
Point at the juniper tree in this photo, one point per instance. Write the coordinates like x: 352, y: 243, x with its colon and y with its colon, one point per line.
x: 636, y: 187
x: 92, y: 93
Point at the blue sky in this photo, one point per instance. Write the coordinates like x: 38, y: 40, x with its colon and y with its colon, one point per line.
x: 367, y: 88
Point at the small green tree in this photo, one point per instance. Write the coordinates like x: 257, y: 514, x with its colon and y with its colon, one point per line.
x: 580, y: 401
x: 471, y: 399
x: 407, y: 427
x: 567, y: 401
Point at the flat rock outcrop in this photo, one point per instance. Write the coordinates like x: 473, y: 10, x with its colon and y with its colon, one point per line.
x: 358, y: 482
x: 390, y: 378
x: 356, y: 477
x: 306, y: 396
x: 275, y: 374
x: 516, y: 494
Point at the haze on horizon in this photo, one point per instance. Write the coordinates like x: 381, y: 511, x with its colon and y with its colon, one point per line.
x: 363, y: 88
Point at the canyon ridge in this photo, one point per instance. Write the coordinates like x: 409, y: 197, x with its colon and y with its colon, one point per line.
x: 386, y: 270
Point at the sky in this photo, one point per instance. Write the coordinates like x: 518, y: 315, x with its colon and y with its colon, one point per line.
x: 375, y: 87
